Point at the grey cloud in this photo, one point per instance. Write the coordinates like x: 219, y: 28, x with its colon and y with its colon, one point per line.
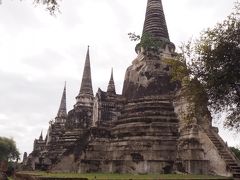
x: 17, y: 16
x: 206, y: 3
x: 69, y: 13
x: 47, y: 60
x: 27, y: 107
x: 199, y: 6
x: 23, y: 94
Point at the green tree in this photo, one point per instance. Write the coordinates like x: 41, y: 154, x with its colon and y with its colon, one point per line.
x: 236, y: 151
x: 147, y: 41
x: 214, y: 59
x: 8, y: 150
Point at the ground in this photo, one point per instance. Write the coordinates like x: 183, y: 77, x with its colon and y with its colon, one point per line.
x: 124, y: 176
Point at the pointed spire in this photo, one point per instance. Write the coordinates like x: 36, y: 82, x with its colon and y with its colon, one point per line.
x: 111, y: 85
x: 86, y: 90
x: 86, y: 85
x: 41, y: 137
x: 155, y: 23
x: 62, y: 111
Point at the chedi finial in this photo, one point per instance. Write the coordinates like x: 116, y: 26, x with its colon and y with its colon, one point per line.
x: 111, y: 85
x: 155, y: 23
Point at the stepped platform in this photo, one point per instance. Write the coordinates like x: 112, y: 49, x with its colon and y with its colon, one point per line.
x: 232, y: 162
x: 143, y: 139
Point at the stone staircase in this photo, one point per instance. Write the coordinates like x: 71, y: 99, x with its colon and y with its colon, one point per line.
x: 66, y: 144
x: 231, y: 160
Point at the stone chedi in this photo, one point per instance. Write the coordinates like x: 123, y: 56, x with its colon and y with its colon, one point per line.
x: 143, y: 130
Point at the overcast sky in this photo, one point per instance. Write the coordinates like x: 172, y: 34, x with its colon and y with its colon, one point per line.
x: 38, y: 52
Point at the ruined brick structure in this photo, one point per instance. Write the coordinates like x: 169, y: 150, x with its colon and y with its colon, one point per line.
x: 140, y: 131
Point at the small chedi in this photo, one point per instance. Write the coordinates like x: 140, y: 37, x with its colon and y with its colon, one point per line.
x: 142, y: 130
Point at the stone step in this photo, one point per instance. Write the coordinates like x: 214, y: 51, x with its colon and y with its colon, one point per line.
x: 148, y: 119
x: 146, y: 103
x: 236, y: 175
x: 220, y: 149
x: 146, y: 124
x: 149, y: 99
x: 219, y: 146
x: 160, y: 136
x: 68, y: 140
x: 215, y: 141
x: 147, y: 129
x: 232, y: 164
x: 148, y: 113
x: 223, y: 152
x: 236, y: 172
x: 236, y: 169
x: 145, y: 108
x: 230, y: 161
x: 227, y: 159
x: 212, y: 136
x: 226, y: 156
x: 148, y: 110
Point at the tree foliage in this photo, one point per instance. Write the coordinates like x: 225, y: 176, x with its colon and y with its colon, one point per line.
x: 51, y: 5
x: 214, y: 59
x: 8, y: 149
x: 147, y: 41
x: 236, y: 151
x: 191, y: 88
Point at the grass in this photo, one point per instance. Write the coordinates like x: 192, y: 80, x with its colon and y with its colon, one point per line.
x: 108, y: 176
